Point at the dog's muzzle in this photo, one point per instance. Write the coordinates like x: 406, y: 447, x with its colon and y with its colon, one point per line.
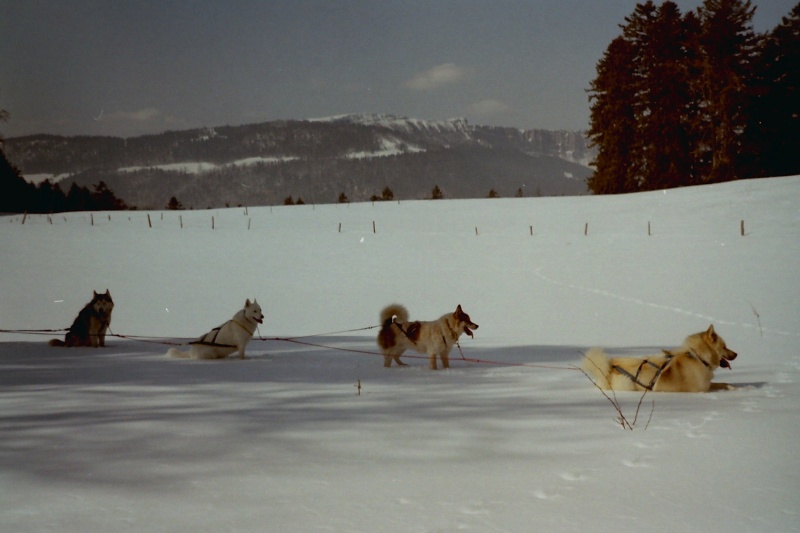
x: 725, y: 362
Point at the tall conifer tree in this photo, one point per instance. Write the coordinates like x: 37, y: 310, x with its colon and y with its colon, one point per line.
x: 612, y: 120
x: 772, y: 136
x: 728, y: 45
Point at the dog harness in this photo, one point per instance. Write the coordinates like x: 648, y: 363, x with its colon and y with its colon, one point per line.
x: 635, y: 378
x: 210, y: 338
x: 414, y: 328
x: 659, y: 369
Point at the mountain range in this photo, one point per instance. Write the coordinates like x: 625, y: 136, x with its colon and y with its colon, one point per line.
x: 352, y: 157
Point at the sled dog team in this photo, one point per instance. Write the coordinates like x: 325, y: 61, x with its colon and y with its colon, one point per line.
x: 688, y: 368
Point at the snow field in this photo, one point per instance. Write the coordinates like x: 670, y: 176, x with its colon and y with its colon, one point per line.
x: 126, y: 439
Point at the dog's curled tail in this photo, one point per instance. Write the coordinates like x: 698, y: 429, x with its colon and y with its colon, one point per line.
x: 57, y: 342
x: 598, y: 366
x: 394, y: 310
x: 174, y: 352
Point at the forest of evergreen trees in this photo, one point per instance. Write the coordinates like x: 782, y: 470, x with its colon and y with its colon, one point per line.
x: 19, y: 196
x: 686, y: 99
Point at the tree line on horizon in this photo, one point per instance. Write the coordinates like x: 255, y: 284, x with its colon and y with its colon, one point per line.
x: 19, y: 196
x: 687, y: 99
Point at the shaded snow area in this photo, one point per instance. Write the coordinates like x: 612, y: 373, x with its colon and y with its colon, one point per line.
x: 124, y: 438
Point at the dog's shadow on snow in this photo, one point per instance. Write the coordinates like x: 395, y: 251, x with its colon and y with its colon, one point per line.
x: 130, y: 400
x: 323, y: 360
x: 751, y: 385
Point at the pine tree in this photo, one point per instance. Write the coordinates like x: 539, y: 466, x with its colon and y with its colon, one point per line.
x: 49, y: 198
x: 16, y: 194
x: 728, y: 45
x: 613, y: 124
x: 78, y: 198
x: 104, y: 198
x: 666, y: 67
x: 772, y: 135
x: 174, y: 204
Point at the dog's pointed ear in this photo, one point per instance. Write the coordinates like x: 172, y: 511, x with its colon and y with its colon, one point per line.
x: 94, y: 292
x: 711, y: 333
x: 458, y: 310
x: 247, y: 303
x: 108, y: 292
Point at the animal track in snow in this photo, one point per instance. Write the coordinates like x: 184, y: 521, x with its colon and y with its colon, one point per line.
x: 751, y: 406
x: 542, y: 495
x: 629, y: 299
x: 474, y: 508
x: 410, y: 503
x: 636, y: 462
x: 773, y: 393
x: 574, y: 475
x: 649, y: 445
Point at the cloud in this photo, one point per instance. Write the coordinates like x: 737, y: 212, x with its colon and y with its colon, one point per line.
x: 489, y: 107
x: 142, y: 121
x: 148, y: 115
x: 436, y: 77
x: 143, y: 115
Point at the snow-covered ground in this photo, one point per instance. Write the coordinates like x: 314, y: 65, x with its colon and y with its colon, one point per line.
x: 126, y: 439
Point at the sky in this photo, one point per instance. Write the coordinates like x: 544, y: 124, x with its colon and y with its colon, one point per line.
x: 128, y: 68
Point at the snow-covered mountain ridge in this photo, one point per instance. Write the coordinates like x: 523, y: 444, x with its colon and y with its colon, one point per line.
x: 357, y: 155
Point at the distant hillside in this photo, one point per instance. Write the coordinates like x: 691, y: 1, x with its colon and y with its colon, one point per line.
x: 316, y: 160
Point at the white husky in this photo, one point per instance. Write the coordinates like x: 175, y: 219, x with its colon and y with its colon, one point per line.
x: 230, y: 337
